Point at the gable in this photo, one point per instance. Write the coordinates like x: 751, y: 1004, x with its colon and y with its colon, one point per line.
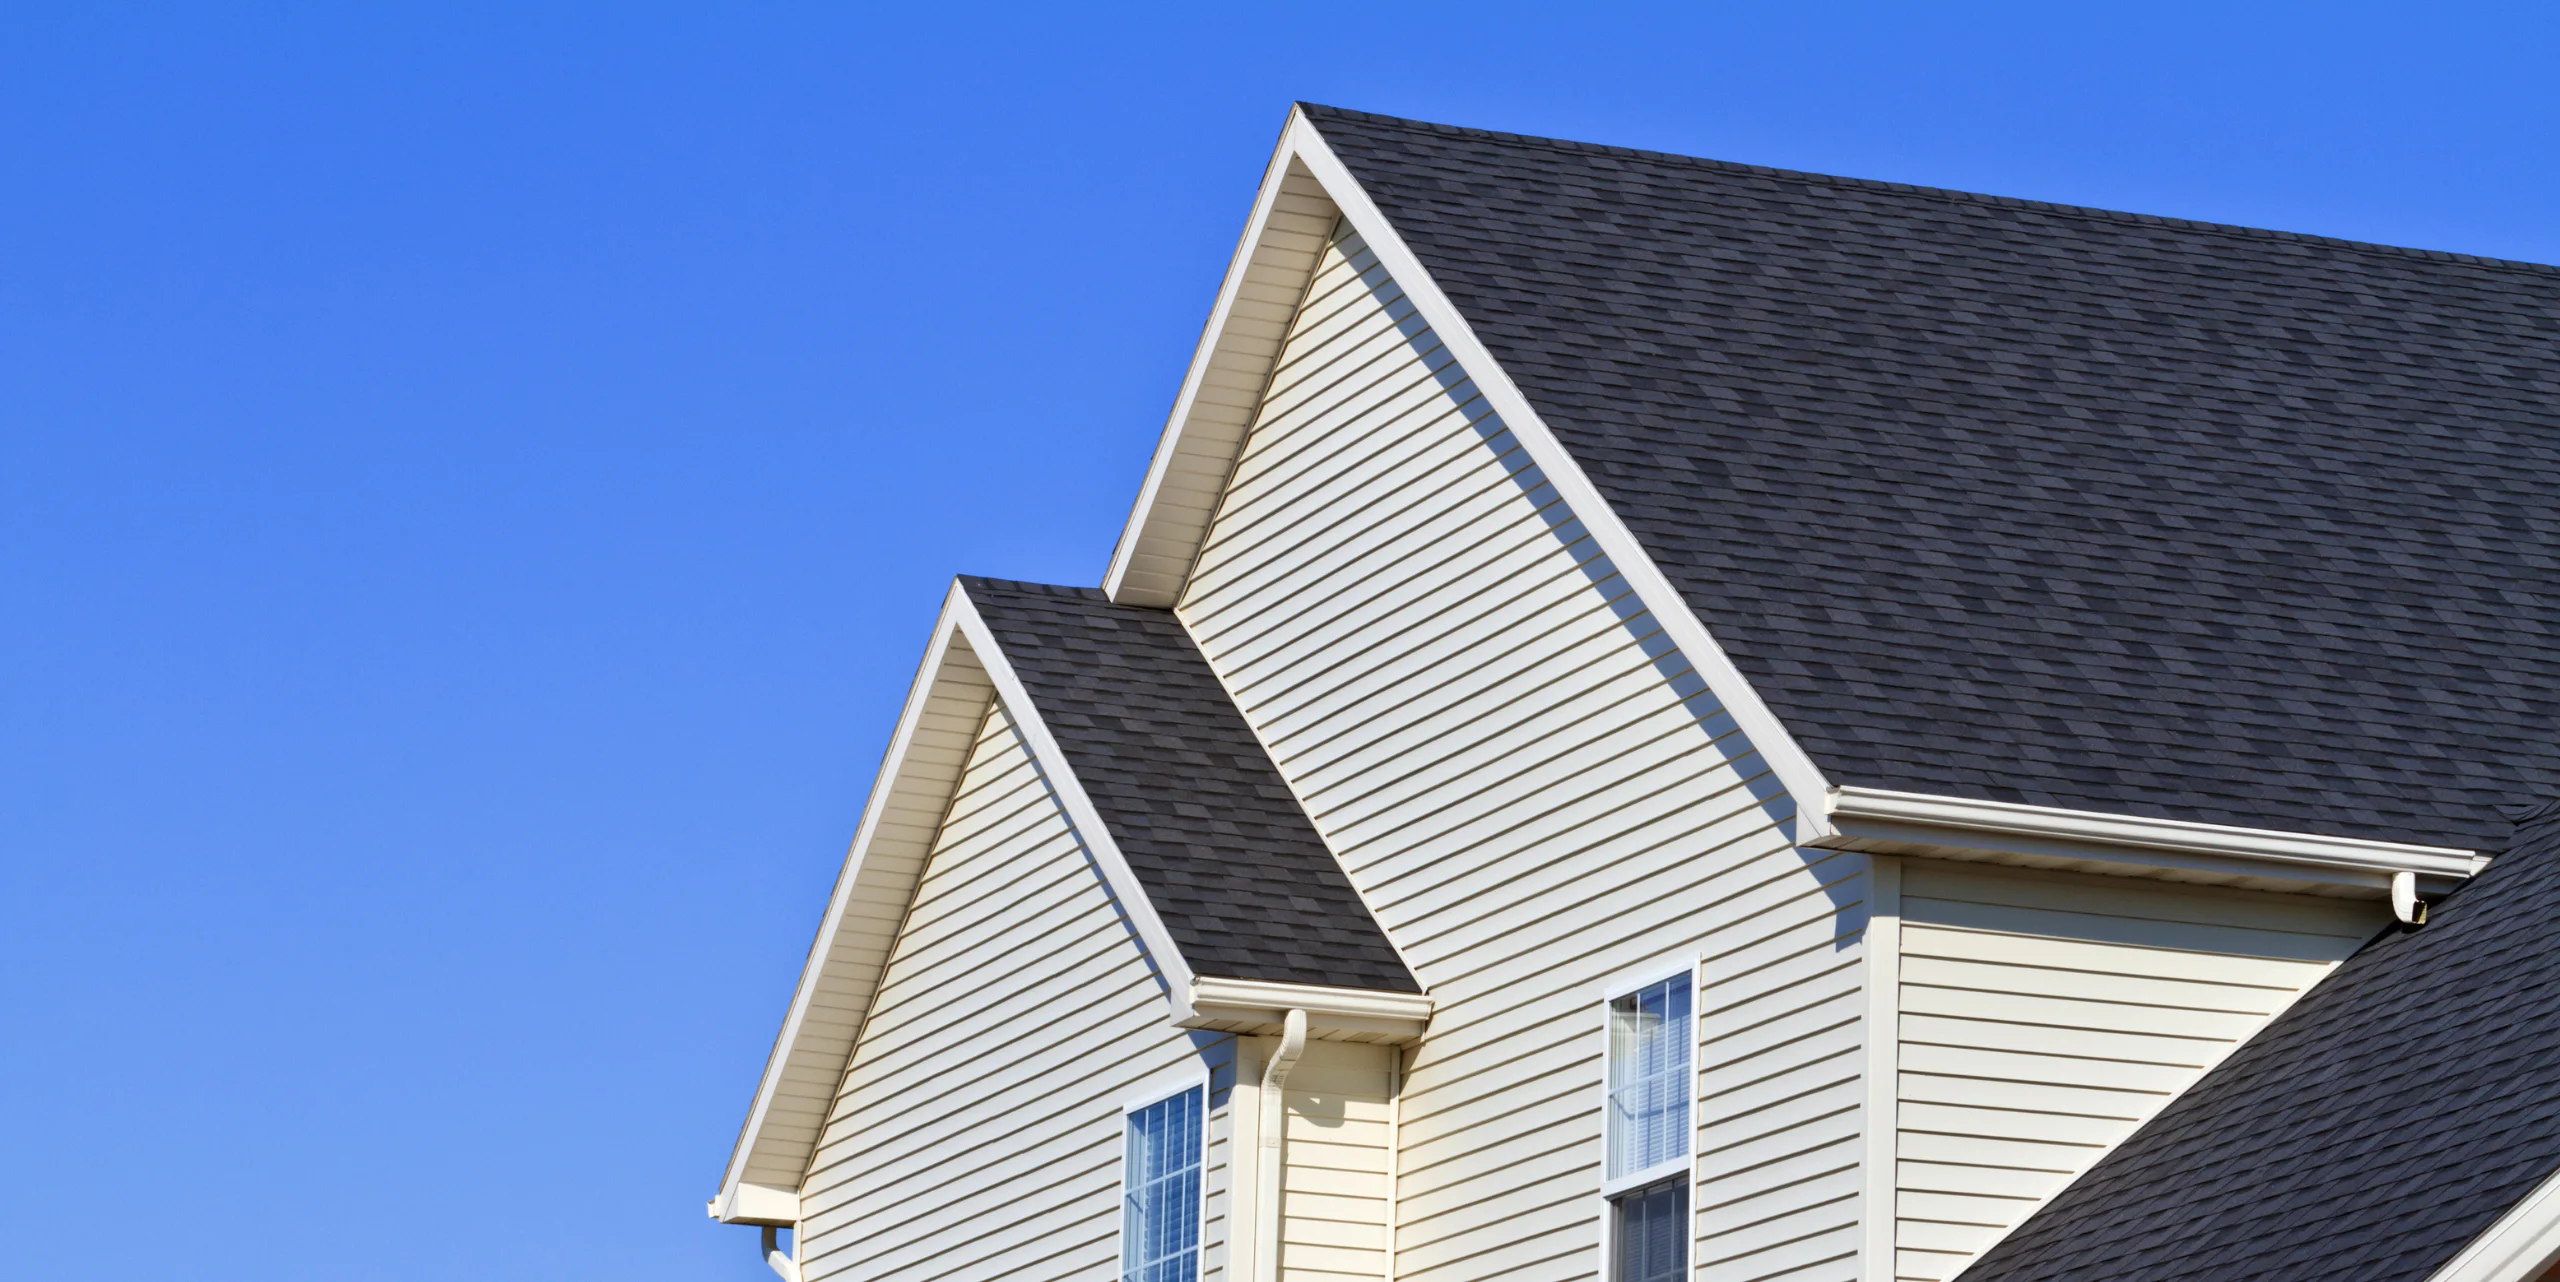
x: 1016, y: 1009
x: 1237, y: 903
x: 2038, y: 504
x: 1535, y: 789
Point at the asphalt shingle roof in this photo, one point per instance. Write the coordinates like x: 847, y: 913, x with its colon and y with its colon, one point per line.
x: 2366, y: 1134
x: 1232, y: 864
x: 2015, y: 501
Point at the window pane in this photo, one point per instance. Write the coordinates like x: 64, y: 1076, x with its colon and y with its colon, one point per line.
x: 1160, y: 1218
x: 1649, y: 1083
x: 1652, y: 1234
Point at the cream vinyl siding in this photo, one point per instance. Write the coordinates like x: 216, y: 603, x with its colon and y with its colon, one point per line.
x: 2045, y: 1015
x: 1333, y: 1203
x: 977, y: 1133
x: 1536, y: 794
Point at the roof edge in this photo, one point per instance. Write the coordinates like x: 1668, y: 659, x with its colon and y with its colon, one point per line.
x: 1222, y: 388
x: 1079, y: 806
x: 2094, y: 212
x: 945, y: 672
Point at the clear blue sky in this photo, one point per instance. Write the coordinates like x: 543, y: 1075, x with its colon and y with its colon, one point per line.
x: 475, y: 481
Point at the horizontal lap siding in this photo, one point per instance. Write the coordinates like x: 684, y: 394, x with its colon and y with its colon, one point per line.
x: 977, y: 1133
x: 2046, y: 1015
x: 1334, y: 1202
x: 1535, y: 793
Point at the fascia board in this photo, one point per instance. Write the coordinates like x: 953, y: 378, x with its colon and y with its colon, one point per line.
x: 2518, y: 1247
x: 1854, y: 816
x: 930, y: 676
x: 1079, y: 806
x: 1331, y: 1012
x: 1146, y: 516
x: 1794, y: 768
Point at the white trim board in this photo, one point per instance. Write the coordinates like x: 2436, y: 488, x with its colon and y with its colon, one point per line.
x: 1292, y: 218
x: 963, y: 671
x: 1880, y: 821
x: 1880, y: 1212
x: 1191, y: 460
x: 2518, y: 1247
x: 916, y: 779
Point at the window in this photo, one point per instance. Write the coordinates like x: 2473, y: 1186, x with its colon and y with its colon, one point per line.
x: 1160, y: 1190
x: 1652, y: 1245
x: 1650, y: 1038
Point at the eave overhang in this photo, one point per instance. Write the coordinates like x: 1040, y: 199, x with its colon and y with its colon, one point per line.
x: 1879, y: 821
x: 1257, y: 1007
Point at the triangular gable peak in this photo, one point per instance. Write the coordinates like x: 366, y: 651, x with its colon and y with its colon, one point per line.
x: 964, y: 669
x: 1230, y: 949
x: 1305, y: 190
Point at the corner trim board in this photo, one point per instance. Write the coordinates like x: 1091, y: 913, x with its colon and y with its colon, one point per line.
x: 1882, y: 1209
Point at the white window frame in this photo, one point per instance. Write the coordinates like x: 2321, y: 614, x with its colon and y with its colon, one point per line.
x: 1191, y: 1078
x: 1683, y: 1167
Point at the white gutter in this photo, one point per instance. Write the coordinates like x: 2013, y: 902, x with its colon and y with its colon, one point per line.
x: 2517, y: 1248
x: 1266, y: 1217
x: 1881, y: 820
x: 1262, y: 1007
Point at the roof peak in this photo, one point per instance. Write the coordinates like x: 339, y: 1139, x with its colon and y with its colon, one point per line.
x: 1321, y: 111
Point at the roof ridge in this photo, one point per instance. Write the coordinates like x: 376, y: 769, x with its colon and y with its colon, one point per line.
x: 2093, y: 212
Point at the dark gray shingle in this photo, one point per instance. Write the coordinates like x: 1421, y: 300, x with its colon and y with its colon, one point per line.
x: 2016, y: 501
x: 1230, y: 861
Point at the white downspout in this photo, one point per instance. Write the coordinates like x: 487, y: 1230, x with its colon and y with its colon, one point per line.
x: 2405, y: 903
x: 1266, y: 1193
x: 774, y: 1255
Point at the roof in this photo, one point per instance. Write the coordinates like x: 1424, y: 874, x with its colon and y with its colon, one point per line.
x: 1233, y: 866
x: 2370, y: 1131
x: 2029, y: 503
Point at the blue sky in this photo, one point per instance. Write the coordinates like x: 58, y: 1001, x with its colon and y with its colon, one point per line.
x: 475, y: 482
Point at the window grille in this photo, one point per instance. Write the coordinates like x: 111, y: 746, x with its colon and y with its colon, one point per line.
x: 1160, y: 1211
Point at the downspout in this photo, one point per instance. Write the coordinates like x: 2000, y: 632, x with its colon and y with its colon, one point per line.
x: 2405, y: 903
x: 1266, y: 1194
x: 774, y: 1255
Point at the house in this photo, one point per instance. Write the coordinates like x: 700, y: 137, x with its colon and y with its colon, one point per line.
x: 1658, y: 719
